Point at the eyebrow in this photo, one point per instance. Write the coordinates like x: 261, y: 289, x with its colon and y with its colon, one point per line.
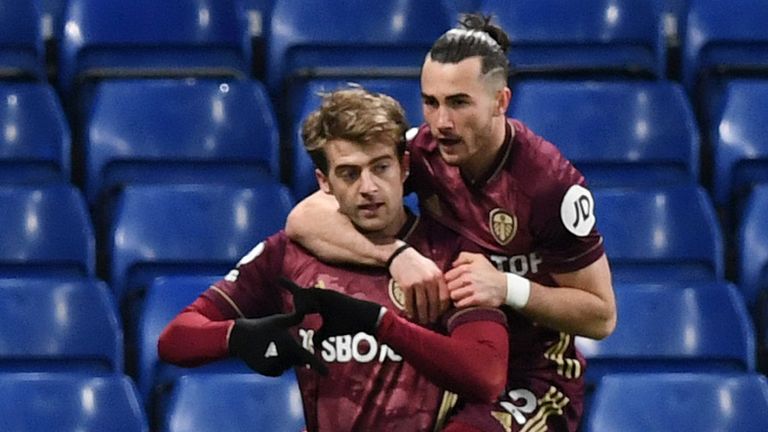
x: 372, y: 162
x: 448, y: 98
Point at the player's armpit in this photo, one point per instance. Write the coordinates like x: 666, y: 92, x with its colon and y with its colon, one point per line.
x: 471, y: 361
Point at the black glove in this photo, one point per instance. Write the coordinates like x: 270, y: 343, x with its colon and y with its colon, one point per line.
x: 341, y: 313
x: 268, y: 348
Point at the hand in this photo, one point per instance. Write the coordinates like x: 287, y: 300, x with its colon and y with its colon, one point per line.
x: 426, y: 294
x: 266, y: 346
x: 341, y: 313
x: 474, y: 281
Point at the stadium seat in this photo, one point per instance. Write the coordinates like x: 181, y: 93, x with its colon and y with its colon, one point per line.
x: 166, y: 297
x: 625, y: 133
x: 44, y: 402
x: 45, y: 231
x: 167, y: 131
x: 235, y: 403
x: 596, y: 39
x: 356, y: 38
x: 59, y: 325
x: 148, y: 38
x: 680, y: 402
x: 740, y: 143
x: 257, y: 14
x: 674, y: 327
x: 35, y: 146
x: 189, y: 229
x: 660, y: 234
x: 723, y: 41
x: 456, y: 8
x: 302, y: 170
x: 22, y: 52
x: 752, y: 265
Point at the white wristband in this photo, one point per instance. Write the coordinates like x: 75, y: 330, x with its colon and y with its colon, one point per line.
x: 518, y: 291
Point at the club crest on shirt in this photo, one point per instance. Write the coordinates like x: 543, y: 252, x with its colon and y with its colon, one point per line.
x: 396, y: 295
x: 503, y: 226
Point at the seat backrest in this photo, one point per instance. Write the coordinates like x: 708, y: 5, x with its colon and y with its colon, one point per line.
x: 59, y: 325
x: 36, y: 145
x: 660, y: 234
x: 40, y: 402
x: 166, y: 297
x: 740, y: 142
x: 724, y: 39
x: 45, y: 231
x: 147, y: 38
x: 306, y: 98
x: 676, y: 402
x: 189, y: 229
x: 630, y: 133
x: 169, y: 131
x: 751, y: 251
x: 582, y: 39
x: 236, y: 403
x: 358, y: 38
x: 674, y: 327
x: 22, y: 52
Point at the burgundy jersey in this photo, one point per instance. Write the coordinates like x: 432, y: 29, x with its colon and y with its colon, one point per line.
x: 532, y: 215
x: 369, y: 386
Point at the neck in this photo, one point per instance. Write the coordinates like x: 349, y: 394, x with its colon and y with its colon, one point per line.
x: 483, y: 160
x: 389, y: 233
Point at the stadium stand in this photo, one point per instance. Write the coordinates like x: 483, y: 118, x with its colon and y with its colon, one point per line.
x: 660, y: 234
x: 45, y: 230
x: 36, y: 144
x: 626, y: 133
x: 59, y: 325
x: 667, y: 402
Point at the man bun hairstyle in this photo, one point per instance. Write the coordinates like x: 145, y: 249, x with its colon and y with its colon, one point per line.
x: 475, y: 36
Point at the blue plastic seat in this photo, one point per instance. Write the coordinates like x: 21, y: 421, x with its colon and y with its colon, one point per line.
x: 724, y: 40
x: 752, y: 247
x: 630, y: 133
x: 22, y: 52
x: 59, y: 325
x: 302, y: 174
x: 668, y: 327
x: 147, y: 38
x: 680, y: 402
x: 44, y: 402
x: 235, y: 403
x: 740, y: 142
x: 167, y: 131
x: 45, y: 231
x: 36, y: 145
x: 660, y: 234
x: 162, y: 230
x: 357, y: 38
x: 595, y: 39
x: 166, y: 297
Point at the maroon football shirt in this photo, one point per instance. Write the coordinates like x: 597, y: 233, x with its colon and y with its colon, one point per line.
x: 369, y: 386
x: 531, y: 214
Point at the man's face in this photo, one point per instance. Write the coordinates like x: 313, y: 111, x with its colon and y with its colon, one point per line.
x: 367, y: 181
x: 459, y: 106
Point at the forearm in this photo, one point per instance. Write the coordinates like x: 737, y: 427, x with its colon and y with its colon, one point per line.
x: 570, y: 310
x: 196, y: 336
x: 316, y: 224
x: 471, y: 362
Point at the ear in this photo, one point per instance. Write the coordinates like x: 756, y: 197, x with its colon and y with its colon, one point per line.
x: 503, y: 97
x: 322, y: 182
x: 405, y: 165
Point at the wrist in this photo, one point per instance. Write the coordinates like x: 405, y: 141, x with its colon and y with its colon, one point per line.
x: 401, y: 247
x: 518, y: 291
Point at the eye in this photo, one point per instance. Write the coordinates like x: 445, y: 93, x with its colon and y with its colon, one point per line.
x: 430, y: 102
x: 381, y: 167
x: 458, y: 103
x: 348, y: 174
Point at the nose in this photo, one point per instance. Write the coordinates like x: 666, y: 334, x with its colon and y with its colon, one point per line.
x: 367, y: 183
x: 444, y: 120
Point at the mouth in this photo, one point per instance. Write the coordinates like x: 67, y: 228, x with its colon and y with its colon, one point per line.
x: 448, y: 141
x: 370, y: 209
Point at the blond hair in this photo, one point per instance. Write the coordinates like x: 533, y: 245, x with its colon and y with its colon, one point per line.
x: 357, y: 115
